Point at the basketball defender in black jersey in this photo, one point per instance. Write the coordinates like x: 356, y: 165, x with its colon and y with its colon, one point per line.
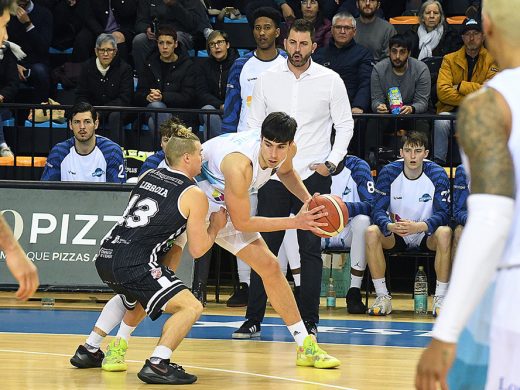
x: 163, y: 205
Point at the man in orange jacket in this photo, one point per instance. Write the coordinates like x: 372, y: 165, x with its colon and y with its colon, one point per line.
x: 462, y: 72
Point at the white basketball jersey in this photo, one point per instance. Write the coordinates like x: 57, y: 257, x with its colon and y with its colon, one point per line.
x: 211, y: 179
x: 507, y: 83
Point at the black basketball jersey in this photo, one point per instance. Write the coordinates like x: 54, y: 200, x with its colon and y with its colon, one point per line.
x: 151, y: 220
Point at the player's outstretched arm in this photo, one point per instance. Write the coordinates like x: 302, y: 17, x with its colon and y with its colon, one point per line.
x: 483, y: 135
x: 23, y: 270
x: 194, y: 206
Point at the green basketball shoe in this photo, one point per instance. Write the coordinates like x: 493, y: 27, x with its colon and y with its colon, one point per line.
x: 115, y: 357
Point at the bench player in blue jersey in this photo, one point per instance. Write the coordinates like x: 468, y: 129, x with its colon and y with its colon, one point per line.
x: 460, y: 208
x: 410, y: 210
x: 164, y: 204
x: 86, y: 156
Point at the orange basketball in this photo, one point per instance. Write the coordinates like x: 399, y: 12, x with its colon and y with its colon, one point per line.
x: 338, y: 214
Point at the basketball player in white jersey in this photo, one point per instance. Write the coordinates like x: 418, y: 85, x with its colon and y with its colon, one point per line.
x: 235, y: 166
x: 489, y: 251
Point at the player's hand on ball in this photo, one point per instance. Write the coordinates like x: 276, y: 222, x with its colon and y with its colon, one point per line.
x: 219, y: 218
x: 306, y: 219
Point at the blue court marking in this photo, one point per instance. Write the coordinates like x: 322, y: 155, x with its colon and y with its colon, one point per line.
x: 376, y: 333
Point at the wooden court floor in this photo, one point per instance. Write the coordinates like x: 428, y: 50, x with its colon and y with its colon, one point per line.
x: 41, y: 361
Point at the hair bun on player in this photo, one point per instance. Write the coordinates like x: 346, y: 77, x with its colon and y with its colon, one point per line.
x: 182, y: 132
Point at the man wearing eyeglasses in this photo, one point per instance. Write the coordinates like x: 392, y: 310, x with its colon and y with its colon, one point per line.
x: 461, y: 73
x: 350, y: 60
x: 106, y: 80
x: 373, y: 32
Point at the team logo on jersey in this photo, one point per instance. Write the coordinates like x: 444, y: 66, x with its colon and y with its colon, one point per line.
x: 98, y: 172
x: 156, y: 273
x: 218, y: 196
x: 425, y: 198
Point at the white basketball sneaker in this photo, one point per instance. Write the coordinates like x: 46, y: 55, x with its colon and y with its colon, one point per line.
x: 382, y: 306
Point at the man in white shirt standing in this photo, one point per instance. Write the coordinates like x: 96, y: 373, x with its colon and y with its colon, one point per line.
x: 317, y: 98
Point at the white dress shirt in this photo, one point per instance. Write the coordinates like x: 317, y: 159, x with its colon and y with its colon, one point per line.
x: 317, y: 100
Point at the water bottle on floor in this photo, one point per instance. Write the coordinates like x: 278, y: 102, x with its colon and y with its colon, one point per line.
x: 420, y: 292
x: 331, y: 295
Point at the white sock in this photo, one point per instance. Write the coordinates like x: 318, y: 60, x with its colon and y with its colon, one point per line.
x: 441, y: 289
x: 160, y: 353
x: 297, y: 279
x: 93, y: 342
x: 125, y: 331
x: 112, y: 314
x: 299, y: 332
x: 244, y: 271
x: 355, y: 281
x: 380, y: 285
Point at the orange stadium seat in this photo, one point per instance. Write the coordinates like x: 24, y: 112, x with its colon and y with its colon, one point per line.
x: 23, y: 161
x: 456, y: 19
x: 405, y: 20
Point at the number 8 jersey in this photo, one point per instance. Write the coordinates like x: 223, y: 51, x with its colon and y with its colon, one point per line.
x: 151, y: 220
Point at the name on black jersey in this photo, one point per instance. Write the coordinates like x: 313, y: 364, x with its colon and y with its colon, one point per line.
x: 154, y: 188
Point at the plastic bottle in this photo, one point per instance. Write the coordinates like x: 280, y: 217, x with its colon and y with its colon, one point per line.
x: 420, y: 292
x: 331, y: 295
x: 395, y: 99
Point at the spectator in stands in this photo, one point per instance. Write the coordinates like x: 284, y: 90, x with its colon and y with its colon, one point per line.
x: 373, y: 32
x: 350, y: 60
x: 106, y: 80
x: 212, y: 79
x: 312, y: 10
x: 433, y: 37
x: 245, y: 70
x: 461, y: 73
x: 168, y: 80
x: 8, y: 90
x: 188, y: 17
x: 409, y: 75
x: 239, y: 96
x: 32, y: 30
x: 410, y: 210
x: 86, y: 156
x: 116, y: 17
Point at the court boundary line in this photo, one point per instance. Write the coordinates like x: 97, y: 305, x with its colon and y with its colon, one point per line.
x: 200, y: 368
x: 230, y: 339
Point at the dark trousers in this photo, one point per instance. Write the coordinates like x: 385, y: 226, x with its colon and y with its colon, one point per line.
x: 274, y: 200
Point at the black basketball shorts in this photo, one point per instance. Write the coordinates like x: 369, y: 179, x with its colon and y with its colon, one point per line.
x: 150, y: 284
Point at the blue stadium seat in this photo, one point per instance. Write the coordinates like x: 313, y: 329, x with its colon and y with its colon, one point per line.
x: 8, y: 122
x: 47, y: 124
x: 243, y: 19
x: 53, y: 50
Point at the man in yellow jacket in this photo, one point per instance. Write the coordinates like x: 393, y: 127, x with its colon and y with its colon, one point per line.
x: 462, y: 72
